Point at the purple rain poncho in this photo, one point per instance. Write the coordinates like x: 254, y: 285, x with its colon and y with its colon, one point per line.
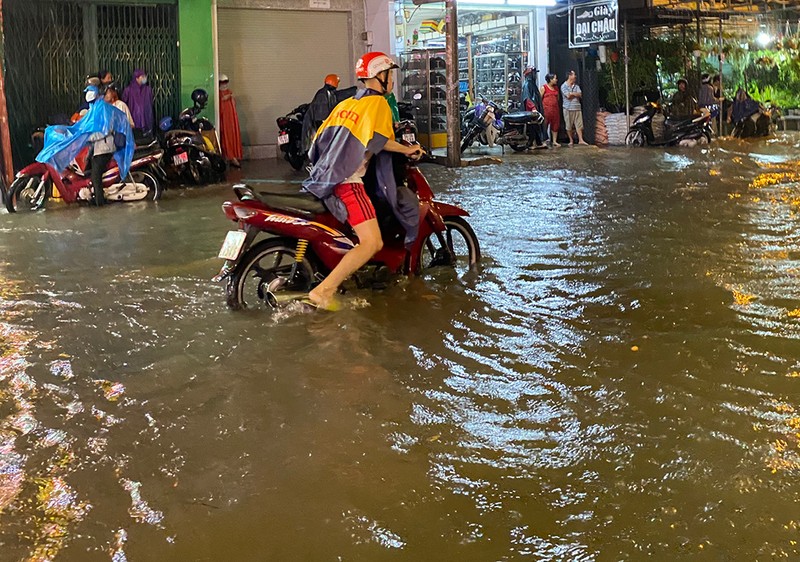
x: 140, y: 101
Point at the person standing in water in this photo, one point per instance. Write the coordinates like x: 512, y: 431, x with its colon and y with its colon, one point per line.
x: 138, y: 96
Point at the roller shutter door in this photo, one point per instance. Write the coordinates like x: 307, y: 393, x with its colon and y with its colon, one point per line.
x: 276, y: 60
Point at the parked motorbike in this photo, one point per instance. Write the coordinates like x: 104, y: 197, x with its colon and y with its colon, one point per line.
x: 290, y: 136
x: 760, y: 123
x: 34, y: 184
x: 192, y: 150
x: 490, y: 125
x: 683, y: 131
x: 305, y: 242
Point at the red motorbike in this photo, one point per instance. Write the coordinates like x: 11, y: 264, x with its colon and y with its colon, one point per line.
x: 34, y: 184
x: 304, y: 242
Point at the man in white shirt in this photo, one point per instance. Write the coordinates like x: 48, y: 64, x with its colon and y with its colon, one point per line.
x: 573, y: 115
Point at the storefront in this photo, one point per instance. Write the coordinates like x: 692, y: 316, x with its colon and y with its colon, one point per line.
x: 496, y: 41
x: 277, y: 55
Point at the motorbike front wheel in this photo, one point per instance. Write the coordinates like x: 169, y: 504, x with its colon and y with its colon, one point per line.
x: 27, y: 193
x: 154, y: 187
x: 635, y: 138
x: 457, y: 247
x: 468, y: 140
x: 266, y: 269
x: 519, y: 147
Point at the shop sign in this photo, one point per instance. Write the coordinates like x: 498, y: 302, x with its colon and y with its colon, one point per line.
x: 593, y: 22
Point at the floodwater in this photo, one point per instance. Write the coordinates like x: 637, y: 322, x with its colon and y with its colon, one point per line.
x: 619, y: 381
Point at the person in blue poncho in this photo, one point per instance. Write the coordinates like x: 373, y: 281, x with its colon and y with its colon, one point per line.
x: 107, y: 132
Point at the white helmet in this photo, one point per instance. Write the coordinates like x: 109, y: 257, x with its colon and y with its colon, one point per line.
x: 223, y: 78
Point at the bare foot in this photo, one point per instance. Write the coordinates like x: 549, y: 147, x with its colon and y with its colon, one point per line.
x: 556, y: 145
x: 323, y: 301
x: 569, y: 143
x: 583, y: 143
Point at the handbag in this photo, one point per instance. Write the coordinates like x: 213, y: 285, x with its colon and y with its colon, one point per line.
x: 120, y: 140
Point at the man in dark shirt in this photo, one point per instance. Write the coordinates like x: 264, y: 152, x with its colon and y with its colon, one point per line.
x: 320, y: 107
x: 683, y: 103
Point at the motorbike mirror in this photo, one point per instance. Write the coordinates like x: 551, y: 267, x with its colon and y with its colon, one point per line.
x: 417, y: 96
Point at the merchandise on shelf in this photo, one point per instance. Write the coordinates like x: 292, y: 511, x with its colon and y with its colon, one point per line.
x: 424, y: 77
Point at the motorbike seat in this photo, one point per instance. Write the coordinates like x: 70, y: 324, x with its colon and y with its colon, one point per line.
x: 519, y: 117
x: 143, y: 149
x: 302, y: 203
x: 182, y: 133
x: 679, y: 121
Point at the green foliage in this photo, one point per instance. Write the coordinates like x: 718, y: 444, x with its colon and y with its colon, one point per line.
x: 649, y: 57
x: 659, y: 61
x: 769, y: 74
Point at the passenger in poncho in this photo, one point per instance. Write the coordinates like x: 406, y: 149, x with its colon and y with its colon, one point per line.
x: 357, y: 129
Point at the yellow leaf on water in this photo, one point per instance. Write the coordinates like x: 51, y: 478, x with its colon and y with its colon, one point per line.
x: 794, y: 313
x: 742, y: 299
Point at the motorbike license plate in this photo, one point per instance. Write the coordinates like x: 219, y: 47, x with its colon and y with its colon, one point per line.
x: 232, y: 245
x: 180, y: 158
x: 283, y: 138
x: 410, y: 137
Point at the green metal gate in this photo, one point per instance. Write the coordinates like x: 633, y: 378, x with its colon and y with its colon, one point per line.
x: 52, y: 45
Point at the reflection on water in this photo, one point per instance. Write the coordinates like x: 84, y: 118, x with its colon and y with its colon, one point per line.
x: 617, y: 382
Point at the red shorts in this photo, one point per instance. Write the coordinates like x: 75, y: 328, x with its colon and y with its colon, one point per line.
x: 354, y: 197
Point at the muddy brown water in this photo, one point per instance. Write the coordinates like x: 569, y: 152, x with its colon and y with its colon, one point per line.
x: 619, y: 381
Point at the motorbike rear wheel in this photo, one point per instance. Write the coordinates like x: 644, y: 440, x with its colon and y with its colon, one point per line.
x: 154, y: 187
x: 265, y: 270
x: 519, y: 147
x: 457, y: 247
x: 28, y: 193
x: 296, y: 161
x: 635, y: 138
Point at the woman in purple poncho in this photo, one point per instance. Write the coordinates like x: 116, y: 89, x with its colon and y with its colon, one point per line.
x: 139, y: 98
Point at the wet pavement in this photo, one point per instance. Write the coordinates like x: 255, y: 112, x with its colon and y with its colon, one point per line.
x: 619, y: 381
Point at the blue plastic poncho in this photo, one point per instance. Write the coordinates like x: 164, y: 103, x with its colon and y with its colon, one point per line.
x: 62, y: 144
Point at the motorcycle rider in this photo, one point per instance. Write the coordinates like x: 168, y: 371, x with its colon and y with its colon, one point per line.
x: 357, y: 129
x: 102, y: 150
x: 683, y: 103
x: 320, y: 107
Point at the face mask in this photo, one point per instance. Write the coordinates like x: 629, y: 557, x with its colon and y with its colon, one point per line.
x: 223, y: 86
x: 144, y: 80
x: 90, y: 97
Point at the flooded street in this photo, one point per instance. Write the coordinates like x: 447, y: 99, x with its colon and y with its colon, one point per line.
x: 620, y: 380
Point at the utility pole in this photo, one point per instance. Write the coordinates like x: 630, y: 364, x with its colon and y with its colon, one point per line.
x: 451, y: 81
x: 627, y: 78
x: 5, y: 134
